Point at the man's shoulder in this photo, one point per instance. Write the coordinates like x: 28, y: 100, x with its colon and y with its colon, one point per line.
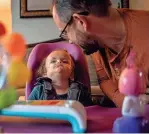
x: 133, y: 12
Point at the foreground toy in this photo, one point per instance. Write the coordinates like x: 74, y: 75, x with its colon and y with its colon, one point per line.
x: 132, y: 84
x: 13, y: 71
x: 71, y: 111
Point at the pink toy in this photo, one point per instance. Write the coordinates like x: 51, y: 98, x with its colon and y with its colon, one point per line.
x: 132, y: 84
x: 132, y: 80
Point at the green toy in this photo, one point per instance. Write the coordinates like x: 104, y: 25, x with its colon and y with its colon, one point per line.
x: 8, y: 97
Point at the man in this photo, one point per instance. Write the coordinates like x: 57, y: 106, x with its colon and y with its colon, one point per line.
x: 108, y: 34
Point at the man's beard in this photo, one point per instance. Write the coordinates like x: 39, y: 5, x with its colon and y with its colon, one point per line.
x: 88, y: 45
x: 90, y: 48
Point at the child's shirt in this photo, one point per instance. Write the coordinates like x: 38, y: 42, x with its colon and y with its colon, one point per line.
x: 44, y: 90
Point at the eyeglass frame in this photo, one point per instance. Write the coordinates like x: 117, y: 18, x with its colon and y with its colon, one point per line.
x: 63, y: 34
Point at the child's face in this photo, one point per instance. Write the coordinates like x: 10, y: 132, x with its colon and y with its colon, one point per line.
x: 58, y: 65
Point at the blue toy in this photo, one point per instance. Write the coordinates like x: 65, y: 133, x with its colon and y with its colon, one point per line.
x: 72, y: 111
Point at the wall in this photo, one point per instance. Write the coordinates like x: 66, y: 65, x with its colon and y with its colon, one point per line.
x: 139, y: 4
x: 42, y: 29
x: 33, y: 29
x: 5, y: 14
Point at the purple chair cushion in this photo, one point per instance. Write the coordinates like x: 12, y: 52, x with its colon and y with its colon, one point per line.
x: 41, y: 51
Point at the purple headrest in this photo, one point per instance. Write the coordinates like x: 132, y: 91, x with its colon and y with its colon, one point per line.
x: 41, y: 51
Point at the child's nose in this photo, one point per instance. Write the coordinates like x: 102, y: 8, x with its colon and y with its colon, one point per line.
x: 59, y: 61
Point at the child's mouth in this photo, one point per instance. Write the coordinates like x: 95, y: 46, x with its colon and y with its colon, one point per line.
x: 59, y: 68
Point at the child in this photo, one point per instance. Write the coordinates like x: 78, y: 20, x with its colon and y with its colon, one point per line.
x: 56, y: 82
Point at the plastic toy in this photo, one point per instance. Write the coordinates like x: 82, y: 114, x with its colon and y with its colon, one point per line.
x: 13, y: 71
x: 72, y: 111
x: 132, y: 84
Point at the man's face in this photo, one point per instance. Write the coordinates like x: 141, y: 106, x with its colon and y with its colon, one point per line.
x: 77, y: 35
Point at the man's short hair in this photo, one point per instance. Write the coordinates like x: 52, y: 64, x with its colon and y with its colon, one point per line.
x: 65, y: 8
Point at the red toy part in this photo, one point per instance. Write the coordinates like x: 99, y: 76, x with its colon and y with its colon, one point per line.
x: 2, y: 29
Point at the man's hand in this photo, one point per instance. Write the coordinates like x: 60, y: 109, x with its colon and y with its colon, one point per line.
x: 144, y: 98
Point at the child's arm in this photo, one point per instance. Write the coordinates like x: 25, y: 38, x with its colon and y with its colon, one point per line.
x: 80, y: 93
x: 85, y: 96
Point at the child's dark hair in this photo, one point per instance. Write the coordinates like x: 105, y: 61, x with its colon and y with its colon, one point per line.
x: 41, y: 71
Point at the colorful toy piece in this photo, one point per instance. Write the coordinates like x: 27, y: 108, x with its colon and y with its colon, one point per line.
x: 13, y: 72
x: 18, y: 70
x: 72, y: 111
x: 132, y: 84
x: 2, y: 30
x: 14, y: 44
x: 7, y: 97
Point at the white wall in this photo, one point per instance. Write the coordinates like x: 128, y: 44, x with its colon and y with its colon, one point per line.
x: 33, y: 29
x: 139, y: 4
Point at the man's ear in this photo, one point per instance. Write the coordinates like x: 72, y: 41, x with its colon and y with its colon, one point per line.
x: 81, y: 20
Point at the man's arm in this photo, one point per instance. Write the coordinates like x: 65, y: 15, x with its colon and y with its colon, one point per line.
x: 111, y: 90
x: 107, y: 85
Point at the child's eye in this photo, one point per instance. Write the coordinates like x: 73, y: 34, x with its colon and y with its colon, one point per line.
x: 65, y: 61
x: 53, y: 61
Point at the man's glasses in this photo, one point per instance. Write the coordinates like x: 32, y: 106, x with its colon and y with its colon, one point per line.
x: 63, y: 34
